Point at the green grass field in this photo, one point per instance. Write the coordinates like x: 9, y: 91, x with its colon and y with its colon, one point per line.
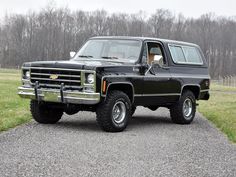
x: 13, y: 110
x: 222, y: 88
x: 220, y: 109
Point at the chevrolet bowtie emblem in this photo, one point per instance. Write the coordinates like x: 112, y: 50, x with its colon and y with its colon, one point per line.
x: 53, y: 76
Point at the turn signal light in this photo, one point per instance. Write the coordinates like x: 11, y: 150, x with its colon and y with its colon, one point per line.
x: 104, y: 86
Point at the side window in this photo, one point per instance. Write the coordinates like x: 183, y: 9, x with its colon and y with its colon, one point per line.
x: 185, y: 54
x: 152, y: 50
x: 192, y: 55
x: 177, y: 54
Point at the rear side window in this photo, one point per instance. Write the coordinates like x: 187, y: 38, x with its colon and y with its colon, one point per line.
x: 192, y: 55
x: 185, y: 54
x: 177, y: 54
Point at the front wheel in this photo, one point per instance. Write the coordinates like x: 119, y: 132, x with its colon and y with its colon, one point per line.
x: 183, y: 112
x: 114, y: 113
x: 44, y: 114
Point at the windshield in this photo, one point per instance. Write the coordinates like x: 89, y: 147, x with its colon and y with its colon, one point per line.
x: 110, y: 49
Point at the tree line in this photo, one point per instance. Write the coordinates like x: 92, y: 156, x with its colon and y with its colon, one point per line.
x: 53, y: 32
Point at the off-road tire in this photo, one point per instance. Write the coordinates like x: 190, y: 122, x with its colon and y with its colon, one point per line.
x: 177, y: 113
x: 44, y: 114
x: 104, y: 112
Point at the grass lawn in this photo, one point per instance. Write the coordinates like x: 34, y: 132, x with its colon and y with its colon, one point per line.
x: 221, y: 109
x: 13, y: 110
x: 215, y: 87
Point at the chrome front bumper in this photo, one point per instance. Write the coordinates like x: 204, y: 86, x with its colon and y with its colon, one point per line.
x: 60, y: 96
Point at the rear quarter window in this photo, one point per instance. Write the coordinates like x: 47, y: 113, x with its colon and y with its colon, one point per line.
x: 185, y: 54
x: 177, y: 54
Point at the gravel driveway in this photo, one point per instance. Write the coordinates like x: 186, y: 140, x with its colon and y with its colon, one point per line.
x: 150, y: 146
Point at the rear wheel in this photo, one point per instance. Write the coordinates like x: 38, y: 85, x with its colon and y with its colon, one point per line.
x: 183, y: 112
x: 114, y: 113
x: 44, y: 114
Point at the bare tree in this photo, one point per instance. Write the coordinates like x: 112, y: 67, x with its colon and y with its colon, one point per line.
x: 51, y: 33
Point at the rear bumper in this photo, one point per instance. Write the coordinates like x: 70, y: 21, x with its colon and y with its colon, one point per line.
x: 60, y: 96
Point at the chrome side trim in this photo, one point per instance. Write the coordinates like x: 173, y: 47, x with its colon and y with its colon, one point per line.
x: 160, y: 94
x: 161, y: 76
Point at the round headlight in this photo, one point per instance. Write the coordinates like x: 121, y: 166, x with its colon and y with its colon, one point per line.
x: 27, y: 74
x: 90, y: 78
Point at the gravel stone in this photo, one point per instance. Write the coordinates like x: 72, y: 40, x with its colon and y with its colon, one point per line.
x: 150, y: 146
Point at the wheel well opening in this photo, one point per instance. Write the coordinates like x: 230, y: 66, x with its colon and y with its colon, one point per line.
x: 194, y: 89
x: 126, y: 88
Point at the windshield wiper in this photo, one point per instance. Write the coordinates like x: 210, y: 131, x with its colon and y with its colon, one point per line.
x: 85, y: 56
x: 109, y: 57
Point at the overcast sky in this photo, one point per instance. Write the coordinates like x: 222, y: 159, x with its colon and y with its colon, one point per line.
x: 187, y: 7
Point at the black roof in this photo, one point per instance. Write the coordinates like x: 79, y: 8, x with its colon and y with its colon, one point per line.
x: 168, y: 41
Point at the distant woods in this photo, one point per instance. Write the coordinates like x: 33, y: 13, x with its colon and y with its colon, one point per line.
x: 52, y: 33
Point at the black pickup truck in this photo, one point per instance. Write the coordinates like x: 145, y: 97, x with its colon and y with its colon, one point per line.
x: 113, y: 75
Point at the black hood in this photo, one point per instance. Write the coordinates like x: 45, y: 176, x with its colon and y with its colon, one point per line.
x: 76, y: 64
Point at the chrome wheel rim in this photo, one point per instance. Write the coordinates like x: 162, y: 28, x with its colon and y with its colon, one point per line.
x: 187, y: 107
x: 119, y: 112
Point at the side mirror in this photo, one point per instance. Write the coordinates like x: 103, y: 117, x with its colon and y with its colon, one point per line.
x: 158, y: 60
x: 72, y: 54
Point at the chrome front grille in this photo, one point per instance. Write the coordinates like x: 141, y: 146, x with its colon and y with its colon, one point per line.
x: 54, y: 77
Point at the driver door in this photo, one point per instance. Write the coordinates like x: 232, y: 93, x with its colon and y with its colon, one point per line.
x: 158, y: 87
